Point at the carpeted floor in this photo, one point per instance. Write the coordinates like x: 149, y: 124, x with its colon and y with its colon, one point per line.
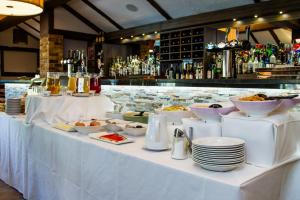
x: 9, y: 193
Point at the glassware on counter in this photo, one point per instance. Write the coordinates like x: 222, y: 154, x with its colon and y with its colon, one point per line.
x: 83, y: 83
x: 53, y: 83
x: 95, y: 83
x: 72, y: 82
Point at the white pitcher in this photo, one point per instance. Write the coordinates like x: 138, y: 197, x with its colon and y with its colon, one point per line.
x: 157, y: 137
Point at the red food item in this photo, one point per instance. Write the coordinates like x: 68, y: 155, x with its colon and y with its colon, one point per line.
x: 113, y: 137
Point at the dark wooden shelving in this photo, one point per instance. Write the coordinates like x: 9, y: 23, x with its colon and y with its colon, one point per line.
x: 185, y: 47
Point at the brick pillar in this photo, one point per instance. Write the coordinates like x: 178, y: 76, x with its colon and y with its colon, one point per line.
x: 51, y: 53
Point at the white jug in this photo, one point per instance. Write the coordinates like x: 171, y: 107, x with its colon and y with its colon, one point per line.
x: 157, y: 137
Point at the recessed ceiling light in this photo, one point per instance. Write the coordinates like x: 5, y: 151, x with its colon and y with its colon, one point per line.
x: 281, y: 12
x: 143, y: 34
x: 234, y: 19
x: 132, y: 7
x: 255, y: 16
x: 131, y: 36
x: 121, y: 38
x: 155, y: 32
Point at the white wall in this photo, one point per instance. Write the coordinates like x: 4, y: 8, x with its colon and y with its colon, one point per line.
x: 6, y: 39
x: 19, y: 61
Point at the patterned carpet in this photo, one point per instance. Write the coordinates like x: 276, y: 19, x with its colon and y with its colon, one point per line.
x: 9, y: 193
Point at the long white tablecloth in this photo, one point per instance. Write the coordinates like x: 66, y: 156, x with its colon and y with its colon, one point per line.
x: 47, y: 164
x: 66, y: 108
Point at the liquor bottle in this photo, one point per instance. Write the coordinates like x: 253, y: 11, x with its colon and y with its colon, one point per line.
x: 177, y: 72
x: 187, y: 74
x: 272, y: 59
x: 209, y: 71
x: 171, y: 72
x: 192, y: 73
x: 183, y: 72
x: 70, y: 63
x: 255, y: 64
x: 250, y: 66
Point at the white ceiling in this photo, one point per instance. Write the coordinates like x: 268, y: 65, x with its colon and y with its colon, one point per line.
x: 117, y: 10
x: 92, y: 16
x: 181, y: 8
x: 64, y: 20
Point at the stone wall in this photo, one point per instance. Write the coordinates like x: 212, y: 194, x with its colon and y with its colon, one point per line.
x: 51, y: 53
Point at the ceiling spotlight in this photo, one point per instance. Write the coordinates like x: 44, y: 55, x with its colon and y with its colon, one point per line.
x: 131, y: 36
x: 143, y: 34
x: 121, y: 38
x: 255, y: 16
x: 281, y: 12
x: 155, y: 32
x: 234, y: 19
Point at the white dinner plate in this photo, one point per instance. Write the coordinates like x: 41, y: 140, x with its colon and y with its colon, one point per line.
x: 219, y: 168
x: 218, y: 142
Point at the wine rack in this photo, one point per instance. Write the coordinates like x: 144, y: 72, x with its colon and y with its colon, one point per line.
x: 182, y: 44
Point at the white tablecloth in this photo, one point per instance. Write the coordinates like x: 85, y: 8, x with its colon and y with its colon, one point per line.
x: 202, y: 128
x: 269, y: 140
x: 47, y: 164
x: 66, y: 108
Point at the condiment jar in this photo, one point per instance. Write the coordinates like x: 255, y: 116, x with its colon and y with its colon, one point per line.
x: 179, y: 145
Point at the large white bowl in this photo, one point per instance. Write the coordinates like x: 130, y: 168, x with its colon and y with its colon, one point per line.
x: 175, y: 116
x: 202, y: 111
x: 88, y: 129
x: 256, y: 108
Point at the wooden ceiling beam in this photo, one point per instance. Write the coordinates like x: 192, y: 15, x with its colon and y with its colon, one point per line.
x: 254, y: 38
x: 275, y: 37
x: 36, y: 20
x: 31, y: 27
x: 81, y: 18
x: 28, y: 32
x: 100, y: 12
x: 159, y: 9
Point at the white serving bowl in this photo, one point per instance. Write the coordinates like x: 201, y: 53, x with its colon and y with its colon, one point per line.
x: 256, y: 108
x: 136, y: 131
x: 175, y: 116
x: 87, y: 129
x: 202, y: 110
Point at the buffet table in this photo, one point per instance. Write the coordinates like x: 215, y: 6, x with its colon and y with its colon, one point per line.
x: 45, y: 163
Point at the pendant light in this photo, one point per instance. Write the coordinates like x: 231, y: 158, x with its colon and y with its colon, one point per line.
x: 21, y: 7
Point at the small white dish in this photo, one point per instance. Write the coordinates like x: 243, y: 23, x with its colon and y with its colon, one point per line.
x: 133, y: 131
x: 97, y: 136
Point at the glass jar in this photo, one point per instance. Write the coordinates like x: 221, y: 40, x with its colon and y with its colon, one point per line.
x: 72, y: 82
x: 95, y: 83
x: 83, y: 83
x: 53, y: 82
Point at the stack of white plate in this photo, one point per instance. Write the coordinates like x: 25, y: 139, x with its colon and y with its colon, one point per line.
x: 13, y: 106
x: 218, y: 153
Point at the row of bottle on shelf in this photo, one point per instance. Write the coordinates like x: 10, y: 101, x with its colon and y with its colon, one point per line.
x: 261, y: 56
x: 187, y: 71
x: 133, y: 65
x: 75, y: 62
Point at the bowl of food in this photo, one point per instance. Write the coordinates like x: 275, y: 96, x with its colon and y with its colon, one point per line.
x: 87, y: 127
x: 135, y: 129
x: 175, y: 113
x: 115, y: 124
x: 212, y: 112
x: 258, y: 105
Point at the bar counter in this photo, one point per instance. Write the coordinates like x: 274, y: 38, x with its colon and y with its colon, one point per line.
x: 230, y: 83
